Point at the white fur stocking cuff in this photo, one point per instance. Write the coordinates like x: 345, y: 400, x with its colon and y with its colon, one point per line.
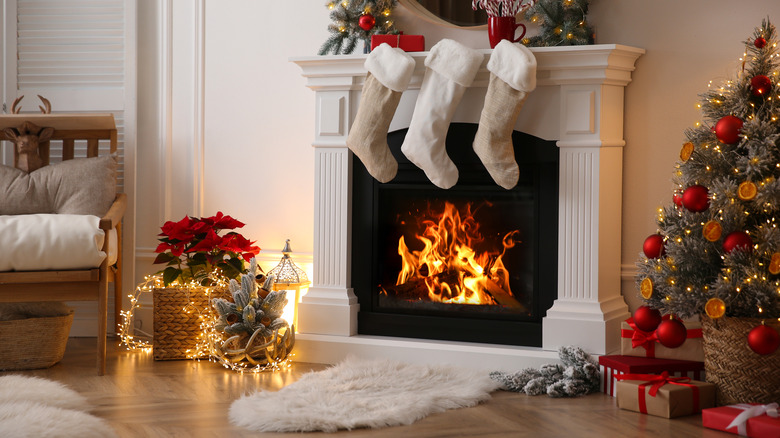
x: 391, y: 66
x: 514, y: 64
x: 454, y: 61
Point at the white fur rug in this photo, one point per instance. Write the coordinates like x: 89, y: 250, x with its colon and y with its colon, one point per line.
x: 362, y: 393
x: 36, y: 407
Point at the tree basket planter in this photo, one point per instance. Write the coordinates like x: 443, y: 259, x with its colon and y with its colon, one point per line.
x: 740, y: 374
x: 257, y: 349
x: 33, y: 343
x: 179, y: 313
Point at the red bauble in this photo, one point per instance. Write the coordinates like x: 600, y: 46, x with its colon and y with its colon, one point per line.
x: 654, y: 246
x: 696, y: 198
x: 727, y: 129
x: 646, y: 318
x: 763, y: 339
x: 677, y: 198
x: 760, y: 42
x: 760, y: 85
x: 366, y: 22
x: 737, y: 240
x: 671, y: 333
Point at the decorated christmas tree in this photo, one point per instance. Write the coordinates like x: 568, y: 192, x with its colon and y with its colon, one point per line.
x: 716, y: 252
x: 355, y: 21
x: 563, y: 23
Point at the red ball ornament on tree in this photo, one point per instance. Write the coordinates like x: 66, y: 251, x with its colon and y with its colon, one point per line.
x: 696, y: 198
x: 763, y: 339
x: 671, y: 333
x: 727, y: 129
x: 737, y: 240
x: 760, y: 85
x: 647, y: 318
x: 760, y: 42
x: 366, y: 22
x: 677, y: 198
x: 654, y: 246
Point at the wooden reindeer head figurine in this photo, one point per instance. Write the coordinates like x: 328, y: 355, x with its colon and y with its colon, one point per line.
x: 27, y: 139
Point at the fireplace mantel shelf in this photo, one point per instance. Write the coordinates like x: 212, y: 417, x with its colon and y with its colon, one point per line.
x: 578, y: 103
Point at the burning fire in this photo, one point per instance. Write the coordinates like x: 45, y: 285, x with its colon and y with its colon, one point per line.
x: 448, y: 269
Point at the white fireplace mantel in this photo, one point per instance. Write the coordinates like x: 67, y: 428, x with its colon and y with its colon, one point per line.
x: 578, y: 103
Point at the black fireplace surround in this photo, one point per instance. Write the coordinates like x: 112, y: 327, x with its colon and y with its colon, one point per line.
x: 531, y: 207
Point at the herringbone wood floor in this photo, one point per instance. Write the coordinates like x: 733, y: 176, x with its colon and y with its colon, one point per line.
x: 141, y: 397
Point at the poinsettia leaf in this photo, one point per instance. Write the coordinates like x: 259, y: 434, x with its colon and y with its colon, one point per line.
x: 163, y: 257
x: 237, y: 264
x: 170, y: 274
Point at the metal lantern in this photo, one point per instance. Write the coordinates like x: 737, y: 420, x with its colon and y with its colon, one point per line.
x: 288, y: 276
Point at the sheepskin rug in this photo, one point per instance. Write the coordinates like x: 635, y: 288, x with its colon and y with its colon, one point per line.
x: 360, y: 393
x: 36, y: 407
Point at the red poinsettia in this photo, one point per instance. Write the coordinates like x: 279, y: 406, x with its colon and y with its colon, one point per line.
x: 192, y: 248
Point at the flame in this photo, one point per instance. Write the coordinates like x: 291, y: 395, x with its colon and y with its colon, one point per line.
x: 449, y: 266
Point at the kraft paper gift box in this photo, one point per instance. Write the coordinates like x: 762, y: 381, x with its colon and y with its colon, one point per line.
x: 612, y: 366
x: 752, y: 420
x: 664, y: 396
x: 636, y: 342
x: 407, y: 43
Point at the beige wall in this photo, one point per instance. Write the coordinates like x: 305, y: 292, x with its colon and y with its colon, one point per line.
x: 258, y: 115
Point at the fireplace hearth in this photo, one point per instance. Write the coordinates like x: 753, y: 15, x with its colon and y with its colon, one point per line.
x: 577, y: 105
x: 473, y: 263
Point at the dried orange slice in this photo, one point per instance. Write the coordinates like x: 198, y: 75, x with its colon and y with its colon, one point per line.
x: 686, y: 151
x: 712, y: 231
x: 715, y: 308
x: 774, y: 264
x: 646, y: 288
x: 747, y: 191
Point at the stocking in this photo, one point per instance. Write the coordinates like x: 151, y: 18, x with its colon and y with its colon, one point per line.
x: 451, y: 68
x: 389, y: 73
x: 512, y: 76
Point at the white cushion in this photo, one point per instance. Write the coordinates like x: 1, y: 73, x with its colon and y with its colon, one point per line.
x: 33, y: 242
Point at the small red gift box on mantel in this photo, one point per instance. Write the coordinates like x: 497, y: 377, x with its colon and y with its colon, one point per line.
x: 612, y: 366
x: 663, y: 396
x: 636, y: 342
x: 407, y: 43
x: 751, y: 420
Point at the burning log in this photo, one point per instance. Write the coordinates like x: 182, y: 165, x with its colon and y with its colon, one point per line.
x: 503, y: 297
x: 417, y: 288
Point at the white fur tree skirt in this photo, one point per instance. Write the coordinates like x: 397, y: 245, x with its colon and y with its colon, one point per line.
x: 362, y: 393
x: 36, y: 407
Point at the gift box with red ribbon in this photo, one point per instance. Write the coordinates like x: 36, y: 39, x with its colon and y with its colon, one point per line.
x: 637, y: 342
x: 407, y: 43
x: 751, y: 420
x: 663, y: 396
x: 612, y: 366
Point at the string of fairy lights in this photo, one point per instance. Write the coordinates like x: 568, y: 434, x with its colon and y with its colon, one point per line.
x: 209, y: 338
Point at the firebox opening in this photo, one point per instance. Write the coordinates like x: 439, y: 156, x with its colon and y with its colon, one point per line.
x: 473, y: 263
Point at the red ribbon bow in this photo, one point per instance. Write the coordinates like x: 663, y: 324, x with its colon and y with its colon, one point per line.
x: 640, y: 338
x: 656, y: 382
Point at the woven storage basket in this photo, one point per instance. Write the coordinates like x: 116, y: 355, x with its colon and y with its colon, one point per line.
x: 32, y: 343
x: 177, y: 320
x: 740, y: 374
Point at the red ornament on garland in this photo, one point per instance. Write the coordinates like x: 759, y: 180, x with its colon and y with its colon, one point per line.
x: 677, y: 198
x: 737, y: 240
x: 654, y: 246
x: 728, y: 128
x: 647, y: 318
x: 366, y: 22
x: 671, y: 333
x: 763, y: 339
x: 696, y: 198
x: 760, y: 85
x: 760, y: 42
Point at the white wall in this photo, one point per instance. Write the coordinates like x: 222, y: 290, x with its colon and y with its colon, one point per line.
x: 258, y: 116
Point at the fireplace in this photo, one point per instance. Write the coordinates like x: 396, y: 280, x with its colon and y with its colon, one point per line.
x: 473, y: 263
x: 578, y: 106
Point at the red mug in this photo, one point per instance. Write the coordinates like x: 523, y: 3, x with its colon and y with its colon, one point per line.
x: 503, y: 28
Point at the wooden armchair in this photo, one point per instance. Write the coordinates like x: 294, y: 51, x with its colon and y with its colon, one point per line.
x: 68, y: 285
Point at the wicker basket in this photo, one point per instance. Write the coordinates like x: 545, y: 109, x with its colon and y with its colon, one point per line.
x: 33, y: 343
x: 178, y: 313
x: 741, y: 375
